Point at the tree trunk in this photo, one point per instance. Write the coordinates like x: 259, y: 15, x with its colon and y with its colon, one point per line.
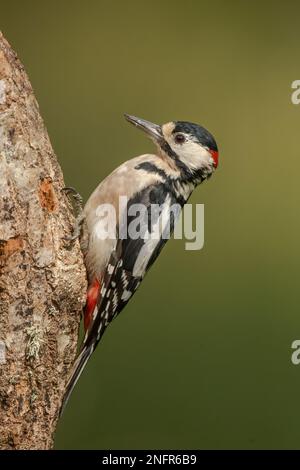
x: 42, y: 277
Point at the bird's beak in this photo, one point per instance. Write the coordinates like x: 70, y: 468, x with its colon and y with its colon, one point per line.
x: 152, y: 130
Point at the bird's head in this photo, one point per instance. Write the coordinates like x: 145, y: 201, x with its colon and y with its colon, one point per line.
x: 190, y: 146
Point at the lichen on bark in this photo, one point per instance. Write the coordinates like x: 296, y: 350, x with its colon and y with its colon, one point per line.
x: 42, y: 277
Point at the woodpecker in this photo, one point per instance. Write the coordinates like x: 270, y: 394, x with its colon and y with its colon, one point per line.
x: 186, y: 155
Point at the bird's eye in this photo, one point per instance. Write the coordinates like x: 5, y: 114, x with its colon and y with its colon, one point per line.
x: 179, y: 138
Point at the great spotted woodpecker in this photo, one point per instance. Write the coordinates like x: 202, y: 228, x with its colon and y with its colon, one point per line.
x: 186, y: 155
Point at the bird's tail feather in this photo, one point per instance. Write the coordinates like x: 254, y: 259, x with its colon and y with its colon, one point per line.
x: 78, y: 367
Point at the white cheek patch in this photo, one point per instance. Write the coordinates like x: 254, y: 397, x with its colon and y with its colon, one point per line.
x: 191, y: 153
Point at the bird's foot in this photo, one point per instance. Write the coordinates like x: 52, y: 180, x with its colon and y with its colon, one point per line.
x: 77, y: 204
x: 75, y: 199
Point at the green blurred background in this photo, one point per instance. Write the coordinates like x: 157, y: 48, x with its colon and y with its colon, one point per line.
x: 201, y: 356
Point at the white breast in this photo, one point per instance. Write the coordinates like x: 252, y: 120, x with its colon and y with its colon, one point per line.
x: 124, y: 181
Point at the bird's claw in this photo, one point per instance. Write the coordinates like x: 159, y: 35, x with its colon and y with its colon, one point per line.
x: 77, y: 203
x: 76, y: 198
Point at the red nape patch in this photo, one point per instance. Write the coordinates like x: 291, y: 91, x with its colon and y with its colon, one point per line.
x: 91, y: 301
x: 215, y: 156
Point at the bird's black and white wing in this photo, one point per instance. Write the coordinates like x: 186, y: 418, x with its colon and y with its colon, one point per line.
x: 134, y: 255
x: 129, y: 263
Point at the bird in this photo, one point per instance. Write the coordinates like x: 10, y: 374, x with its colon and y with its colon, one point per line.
x: 186, y: 155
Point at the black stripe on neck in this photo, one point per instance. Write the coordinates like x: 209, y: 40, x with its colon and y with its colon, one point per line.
x: 187, y: 175
x: 152, y: 168
x: 167, y: 180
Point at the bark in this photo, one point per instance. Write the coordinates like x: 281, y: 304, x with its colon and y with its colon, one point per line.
x: 42, y: 277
